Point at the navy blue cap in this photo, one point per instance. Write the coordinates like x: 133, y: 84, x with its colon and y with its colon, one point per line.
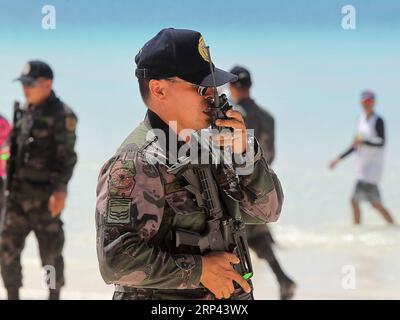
x: 178, y: 53
x: 367, y: 95
x: 33, y: 70
x: 244, y: 77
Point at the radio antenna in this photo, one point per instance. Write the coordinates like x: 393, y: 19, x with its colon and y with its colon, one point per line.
x: 216, y: 102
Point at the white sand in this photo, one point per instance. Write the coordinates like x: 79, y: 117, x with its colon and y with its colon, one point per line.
x: 315, y: 264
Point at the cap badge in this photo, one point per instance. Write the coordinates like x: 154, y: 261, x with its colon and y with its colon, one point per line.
x: 202, y: 49
x: 26, y: 69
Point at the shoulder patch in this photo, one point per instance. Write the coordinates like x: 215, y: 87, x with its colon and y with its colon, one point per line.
x: 121, y: 180
x: 70, y: 123
x: 119, y: 211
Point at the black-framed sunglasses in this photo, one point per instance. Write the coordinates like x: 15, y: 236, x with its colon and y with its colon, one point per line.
x: 200, y: 89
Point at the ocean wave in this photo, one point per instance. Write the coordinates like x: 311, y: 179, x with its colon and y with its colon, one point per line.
x: 384, y: 237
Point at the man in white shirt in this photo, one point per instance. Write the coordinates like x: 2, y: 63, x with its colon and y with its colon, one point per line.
x: 369, y: 146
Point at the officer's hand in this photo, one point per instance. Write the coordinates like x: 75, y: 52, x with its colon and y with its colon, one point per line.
x: 238, y: 138
x: 57, y: 203
x: 217, y: 274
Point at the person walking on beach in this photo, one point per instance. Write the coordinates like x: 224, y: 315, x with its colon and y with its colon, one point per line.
x: 42, y: 158
x: 259, y: 236
x: 369, y: 145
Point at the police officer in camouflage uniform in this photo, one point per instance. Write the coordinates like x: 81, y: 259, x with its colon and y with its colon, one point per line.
x: 42, y: 164
x: 258, y: 236
x: 141, y: 203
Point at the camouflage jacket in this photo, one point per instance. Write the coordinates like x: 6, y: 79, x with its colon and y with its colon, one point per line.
x: 263, y: 124
x: 140, y: 204
x: 45, y: 155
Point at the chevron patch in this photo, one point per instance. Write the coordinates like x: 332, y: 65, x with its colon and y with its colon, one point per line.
x: 119, y: 211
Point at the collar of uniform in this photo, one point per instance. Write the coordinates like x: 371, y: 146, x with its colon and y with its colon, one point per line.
x: 155, y: 122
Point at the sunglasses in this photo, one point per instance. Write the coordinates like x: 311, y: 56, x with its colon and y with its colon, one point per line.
x: 34, y: 83
x: 200, y: 89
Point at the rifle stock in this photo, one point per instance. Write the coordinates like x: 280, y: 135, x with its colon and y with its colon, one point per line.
x: 11, y: 163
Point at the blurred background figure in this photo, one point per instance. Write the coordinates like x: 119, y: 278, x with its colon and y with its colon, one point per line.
x: 5, y: 129
x: 369, y: 145
x: 41, y: 164
x: 259, y: 236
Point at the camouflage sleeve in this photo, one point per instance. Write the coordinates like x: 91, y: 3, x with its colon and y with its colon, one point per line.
x: 65, y: 155
x: 262, y: 192
x: 129, y: 212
